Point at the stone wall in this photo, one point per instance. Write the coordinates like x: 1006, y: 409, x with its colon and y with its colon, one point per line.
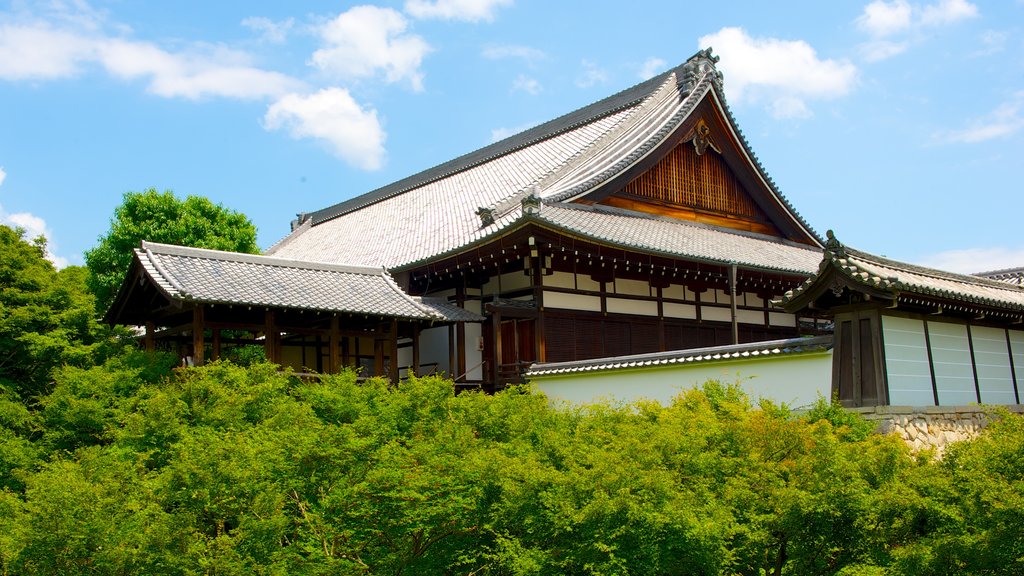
x: 932, y: 427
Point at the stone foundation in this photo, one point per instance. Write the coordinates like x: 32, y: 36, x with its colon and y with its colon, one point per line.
x: 932, y: 427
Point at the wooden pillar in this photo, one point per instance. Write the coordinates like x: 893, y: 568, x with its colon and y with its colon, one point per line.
x: 270, y: 338
x: 496, y: 353
x: 333, y: 347
x: 732, y: 303
x: 150, y: 342
x: 460, y: 331
x: 378, y: 351
x: 452, y: 367
x: 661, y: 318
x: 216, y: 344
x: 416, y: 349
x: 198, y: 326
x: 393, y: 351
x: 539, y: 345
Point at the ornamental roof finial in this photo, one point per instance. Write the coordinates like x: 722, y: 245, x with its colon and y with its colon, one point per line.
x: 833, y: 245
x: 701, y: 63
x: 532, y: 202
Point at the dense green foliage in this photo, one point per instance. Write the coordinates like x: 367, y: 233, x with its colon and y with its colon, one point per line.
x: 232, y: 470
x: 112, y: 462
x: 47, y: 317
x: 162, y: 217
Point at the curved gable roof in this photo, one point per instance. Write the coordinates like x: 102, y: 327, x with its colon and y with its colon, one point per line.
x: 439, y: 210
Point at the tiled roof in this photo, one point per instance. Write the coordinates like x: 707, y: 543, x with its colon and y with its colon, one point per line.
x: 902, y: 279
x: 436, y: 212
x: 752, y: 350
x: 1011, y: 275
x: 689, y: 239
x: 216, y: 277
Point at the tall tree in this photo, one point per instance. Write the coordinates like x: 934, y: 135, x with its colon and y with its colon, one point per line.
x: 162, y: 217
x: 46, y: 316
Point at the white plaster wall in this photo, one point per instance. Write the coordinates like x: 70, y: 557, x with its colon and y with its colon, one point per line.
x: 673, y: 310
x: 781, y: 319
x: 474, y: 357
x: 992, y: 361
x: 638, y: 307
x: 434, y: 348
x: 572, y: 301
x: 906, y: 362
x: 796, y: 380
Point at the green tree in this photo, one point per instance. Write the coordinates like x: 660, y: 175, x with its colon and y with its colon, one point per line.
x: 47, y: 317
x: 162, y: 217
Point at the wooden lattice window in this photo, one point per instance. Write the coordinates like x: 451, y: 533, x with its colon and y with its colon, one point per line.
x: 703, y: 182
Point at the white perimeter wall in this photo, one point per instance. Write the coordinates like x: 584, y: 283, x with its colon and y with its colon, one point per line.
x: 997, y: 358
x: 796, y: 380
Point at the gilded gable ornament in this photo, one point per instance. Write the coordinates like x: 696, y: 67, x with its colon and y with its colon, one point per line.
x: 701, y: 138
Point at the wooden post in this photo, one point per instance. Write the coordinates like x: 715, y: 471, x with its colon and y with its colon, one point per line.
x: 416, y: 349
x: 378, y: 351
x: 216, y: 344
x: 198, y: 326
x: 149, y: 340
x: 393, y: 352
x: 460, y: 331
x: 732, y: 303
x: 661, y: 318
x: 451, y: 353
x: 270, y: 338
x: 333, y: 346
x: 496, y: 353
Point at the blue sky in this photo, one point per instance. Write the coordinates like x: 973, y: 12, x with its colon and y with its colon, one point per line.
x: 899, y: 124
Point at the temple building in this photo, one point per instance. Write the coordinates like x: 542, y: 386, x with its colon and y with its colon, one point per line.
x: 641, y: 224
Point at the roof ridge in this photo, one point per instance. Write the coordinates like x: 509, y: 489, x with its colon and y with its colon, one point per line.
x: 258, y: 259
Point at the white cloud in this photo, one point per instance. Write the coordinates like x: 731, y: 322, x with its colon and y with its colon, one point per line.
x: 885, y: 19
x: 974, y: 260
x: 877, y: 50
x: 513, y: 51
x: 526, y: 84
x: 3, y: 175
x: 782, y: 73
x: 38, y: 51
x: 948, y: 12
x: 269, y: 30
x: 465, y: 10
x: 1007, y: 119
x: 993, y: 42
x: 352, y: 132
x: 591, y: 75
x: 367, y: 40
x: 881, y: 18
x: 34, y: 227
x: 206, y: 71
x: 651, y: 67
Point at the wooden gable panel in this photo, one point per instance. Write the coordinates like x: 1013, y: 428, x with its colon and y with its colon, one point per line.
x: 692, y: 186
